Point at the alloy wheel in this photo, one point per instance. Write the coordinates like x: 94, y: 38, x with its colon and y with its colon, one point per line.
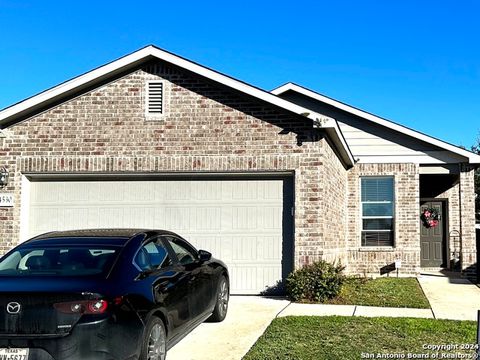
x: 156, y: 343
x: 223, y: 297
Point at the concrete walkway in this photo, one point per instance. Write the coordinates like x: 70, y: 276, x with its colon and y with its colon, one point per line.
x: 450, y: 296
x: 295, y: 309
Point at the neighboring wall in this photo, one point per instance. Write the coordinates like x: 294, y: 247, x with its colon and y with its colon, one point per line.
x: 206, y: 128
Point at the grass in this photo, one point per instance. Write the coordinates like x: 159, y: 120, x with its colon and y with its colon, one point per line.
x: 335, y: 337
x: 386, y: 292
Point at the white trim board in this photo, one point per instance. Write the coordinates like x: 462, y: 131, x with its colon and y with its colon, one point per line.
x: 472, y: 157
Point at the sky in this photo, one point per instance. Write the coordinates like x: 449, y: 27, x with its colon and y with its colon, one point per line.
x: 416, y: 63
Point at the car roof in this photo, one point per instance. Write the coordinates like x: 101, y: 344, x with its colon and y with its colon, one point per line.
x: 117, y: 237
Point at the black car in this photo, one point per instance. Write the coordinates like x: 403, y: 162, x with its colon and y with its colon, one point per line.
x: 106, y: 294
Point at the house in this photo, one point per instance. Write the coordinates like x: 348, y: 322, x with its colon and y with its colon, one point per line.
x: 266, y: 181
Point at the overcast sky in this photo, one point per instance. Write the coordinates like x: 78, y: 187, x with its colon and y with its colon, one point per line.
x: 413, y: 62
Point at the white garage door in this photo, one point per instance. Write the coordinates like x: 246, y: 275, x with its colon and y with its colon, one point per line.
x: 239, y: 221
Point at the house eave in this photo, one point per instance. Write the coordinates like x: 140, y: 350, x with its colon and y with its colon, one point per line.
x: 53, y: 95
x: 71, y: 88
x: 336, y: 136
x: 469, y: 156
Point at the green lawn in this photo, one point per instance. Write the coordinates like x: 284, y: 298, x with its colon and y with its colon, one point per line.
x: 389, y: 292
x: 335, y: 337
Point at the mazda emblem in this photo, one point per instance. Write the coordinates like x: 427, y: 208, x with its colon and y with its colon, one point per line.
x: 13, y: 307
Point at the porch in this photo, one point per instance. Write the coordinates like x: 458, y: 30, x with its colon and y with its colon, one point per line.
x: 447, y: 219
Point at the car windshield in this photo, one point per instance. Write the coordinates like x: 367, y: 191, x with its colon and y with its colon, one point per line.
x: 62, y: 260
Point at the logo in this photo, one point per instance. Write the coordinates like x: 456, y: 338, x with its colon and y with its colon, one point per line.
x: 13, y: 307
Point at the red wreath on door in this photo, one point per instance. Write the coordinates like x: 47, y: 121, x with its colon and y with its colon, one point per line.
x: 430, y: 217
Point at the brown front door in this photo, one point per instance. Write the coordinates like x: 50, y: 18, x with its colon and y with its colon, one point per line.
x: 432, y: 239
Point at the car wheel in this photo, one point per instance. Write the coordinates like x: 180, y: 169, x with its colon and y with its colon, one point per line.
x: 154, y: 346
x: 221, y: 306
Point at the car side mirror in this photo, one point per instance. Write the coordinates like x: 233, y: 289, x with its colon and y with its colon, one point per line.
x: 204, y: 255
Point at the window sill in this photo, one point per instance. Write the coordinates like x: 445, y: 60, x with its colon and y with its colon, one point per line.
x: 376, y: 249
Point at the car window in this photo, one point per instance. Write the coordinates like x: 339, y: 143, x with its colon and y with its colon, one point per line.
x: 151, y: 256
x: 185, y: 253
x: 64, y: 261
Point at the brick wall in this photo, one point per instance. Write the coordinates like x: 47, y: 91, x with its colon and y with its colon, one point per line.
x: 329, y: 197
x: 334, y: 207
x: 205, y: 128
x: 369, y: 261
x: 467, y: 221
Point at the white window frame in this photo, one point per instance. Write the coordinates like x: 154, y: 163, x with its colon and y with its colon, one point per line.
x: 393, y: 217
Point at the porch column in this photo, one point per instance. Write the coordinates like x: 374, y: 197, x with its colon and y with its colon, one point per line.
x: 467, y: 221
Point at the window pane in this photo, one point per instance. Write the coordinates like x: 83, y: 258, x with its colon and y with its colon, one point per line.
x: 185, y: 254
x: 377, y: 209
x: 152, y: 255
x: 377, y: 189
x: 63, y: 261
x: 377, y: 224
x: 373, y: 238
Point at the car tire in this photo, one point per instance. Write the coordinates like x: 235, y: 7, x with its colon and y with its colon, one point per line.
x: 222, y: 297
x: 154, y: 345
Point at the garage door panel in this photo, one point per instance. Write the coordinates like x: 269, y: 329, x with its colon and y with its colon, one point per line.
x: 239, y: 221
x: 139, y: 217
x: 244, y: 248
x: 271, y: 217
x: 77, y: 217
x: 206, y: 190
x: 244, y: 218
x: 273, y: 191
x: 178, y: 190
x: 213, y: 243
x: 49, y: 193
x: 176, y: 218
x: 78, y: 192
x: 251, y: 279
x: 272, y: 248
x: 109, y: 193
x: 139, y: 193
x: 206, y: 218
x: 44, y: 219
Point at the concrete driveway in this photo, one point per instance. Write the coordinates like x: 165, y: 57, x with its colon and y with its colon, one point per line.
x: 247, y: 319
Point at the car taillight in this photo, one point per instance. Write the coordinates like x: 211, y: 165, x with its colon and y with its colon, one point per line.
x: 82, y: 307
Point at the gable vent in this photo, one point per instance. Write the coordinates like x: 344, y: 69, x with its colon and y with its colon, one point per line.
x: 155, y: 98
